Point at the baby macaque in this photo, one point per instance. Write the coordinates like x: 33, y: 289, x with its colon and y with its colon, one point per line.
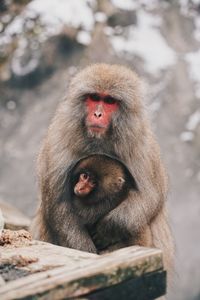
x: 97, y: 184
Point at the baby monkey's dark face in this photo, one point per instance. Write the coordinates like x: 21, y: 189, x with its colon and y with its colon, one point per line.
x: 88, y: 182
x: 85, y: 185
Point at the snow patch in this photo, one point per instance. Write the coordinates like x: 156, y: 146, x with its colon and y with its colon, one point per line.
x: 193, y: 59
x: 24, y: 62
x: 194, y: 121
x: 187, y: 136
x: 52, y: 17
x: 197, y: 28
x: 125, y: 5
x: 11, y: 105
x: 100, y: 17
x: 73, y: 13
x: 191, y: 125
x: 83, y: 37
x: 43, y: 19
x: 187, y: 6
x: 146, y: 41
x: 190, y: 8
x: 134, y: 4
x: 15, y: 27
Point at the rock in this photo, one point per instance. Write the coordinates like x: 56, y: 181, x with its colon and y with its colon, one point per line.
x: 122, y: 18
x: 16, y: 238
x: 3, y: 6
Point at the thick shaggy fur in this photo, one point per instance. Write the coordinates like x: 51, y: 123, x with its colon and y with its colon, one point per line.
x: 113, y: 182
x: 142, y: 216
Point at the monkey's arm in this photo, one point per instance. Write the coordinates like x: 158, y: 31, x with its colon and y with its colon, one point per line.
x: 137, y: 211
x: 126, y: 220
x: 60, y: 224
x: 132, y: 214
x: 68, y: 230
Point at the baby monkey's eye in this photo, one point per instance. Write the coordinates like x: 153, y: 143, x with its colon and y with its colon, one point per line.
x: 84, y: 176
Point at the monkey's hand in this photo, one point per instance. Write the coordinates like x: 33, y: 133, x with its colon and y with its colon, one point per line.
x: 104, y: 236
x: 80, y: 240
x: 70, y: 232
x: 101, y: 242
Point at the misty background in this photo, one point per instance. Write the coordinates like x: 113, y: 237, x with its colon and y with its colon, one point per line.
x: 43, y: 43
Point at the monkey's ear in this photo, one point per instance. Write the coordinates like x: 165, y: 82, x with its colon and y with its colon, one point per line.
x: 121, y: 181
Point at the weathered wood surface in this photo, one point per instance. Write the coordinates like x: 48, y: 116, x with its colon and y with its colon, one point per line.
x: 13, y: 218
x: 147, y: 287
x: 68, y: 274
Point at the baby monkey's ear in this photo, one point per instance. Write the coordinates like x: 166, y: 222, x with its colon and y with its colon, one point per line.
x: 121, y: 180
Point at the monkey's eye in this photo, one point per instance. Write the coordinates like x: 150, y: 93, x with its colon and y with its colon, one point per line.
x: 95, y: 97
x: 109, y: 100
x: 84, y: 176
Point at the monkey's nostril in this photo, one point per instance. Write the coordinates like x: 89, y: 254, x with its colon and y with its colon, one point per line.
x: 97, y: 115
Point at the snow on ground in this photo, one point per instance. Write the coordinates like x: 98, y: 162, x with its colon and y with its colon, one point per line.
x: 134, y: 4
x: 187, y: 6
x: 145, y: 41
x: 190, y: 8
x: 83, y: 37
x: 187, y: 136
x: 41, y: 20
x: 191, y: 125
x: 73, y: 13
x: 126, y: 5
x: 193, y: 60
x: 76, y: 14
x: 194, y: 121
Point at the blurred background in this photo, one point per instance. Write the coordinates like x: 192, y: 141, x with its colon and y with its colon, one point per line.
x: 43, y: 43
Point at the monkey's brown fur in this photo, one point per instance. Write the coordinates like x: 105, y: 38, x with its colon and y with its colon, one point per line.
x: 143, y: 214
x: 113, y: 182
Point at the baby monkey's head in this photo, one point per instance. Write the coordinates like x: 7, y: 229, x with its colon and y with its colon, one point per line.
x: 88, y: 181
x: 100, y: 176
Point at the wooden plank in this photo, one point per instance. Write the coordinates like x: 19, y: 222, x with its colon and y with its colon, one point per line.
x: 81, y: 273
x: 13, y: 218
x: 150, y: 286
x: 48, y: 256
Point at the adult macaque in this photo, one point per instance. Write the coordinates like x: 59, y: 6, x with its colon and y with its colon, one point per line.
x: 95, y: 185
x: 103, y: 113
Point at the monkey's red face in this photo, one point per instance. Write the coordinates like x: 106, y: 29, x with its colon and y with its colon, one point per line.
x: 100, y: 109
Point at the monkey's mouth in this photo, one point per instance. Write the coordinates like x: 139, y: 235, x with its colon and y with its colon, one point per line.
x: 97, y: 129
